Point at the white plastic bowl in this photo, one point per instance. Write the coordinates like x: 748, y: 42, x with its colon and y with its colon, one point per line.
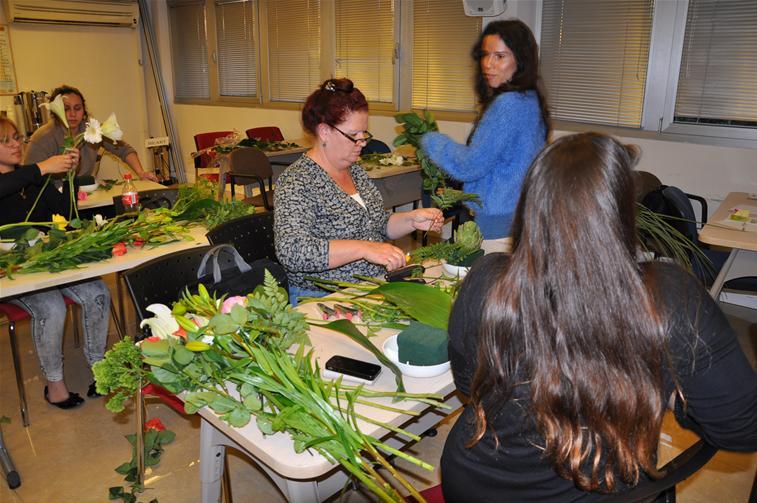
x: 391, y: 351
x: 455, y: 270
x: 89, y: 188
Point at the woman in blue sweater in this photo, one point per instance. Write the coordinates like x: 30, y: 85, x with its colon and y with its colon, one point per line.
x: 511, y: 129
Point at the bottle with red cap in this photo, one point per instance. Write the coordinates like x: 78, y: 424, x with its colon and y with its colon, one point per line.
x: 129, y: 195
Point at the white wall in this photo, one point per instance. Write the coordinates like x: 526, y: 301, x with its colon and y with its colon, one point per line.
x: 104, y: 63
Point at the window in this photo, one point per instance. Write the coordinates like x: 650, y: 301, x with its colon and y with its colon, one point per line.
x: 716, y: 81
x: 237, y: 61
x: 189, y: 49
x: 594, y: 56
x: 443, y: 70
x: 400, y: 53
x: 294, y: 48
x: 365, y: 46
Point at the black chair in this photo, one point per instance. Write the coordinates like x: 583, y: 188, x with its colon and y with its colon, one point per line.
x: 251, y: 235
x: 250, y: 166
x: 375, y: 146
x: 663, y: 490
x: 156, y: 198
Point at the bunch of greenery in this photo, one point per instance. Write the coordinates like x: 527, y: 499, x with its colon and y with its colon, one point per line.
x: 434, y: 179
x: 462, y: 251
x: 266, y: 145
x: 237, y: 365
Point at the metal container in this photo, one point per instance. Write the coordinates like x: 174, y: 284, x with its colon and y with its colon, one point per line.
x: 29, y: 112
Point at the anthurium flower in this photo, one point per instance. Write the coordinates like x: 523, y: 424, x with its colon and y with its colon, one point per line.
x: 229, y: 303
x: 93, y: 133
x: 58, y: 108
x: 111, y: 129
x: 162, y: 325
x: 60, y: 221
x: 119, y: 249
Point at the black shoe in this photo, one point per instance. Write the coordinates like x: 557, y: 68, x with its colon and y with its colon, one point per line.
x: 92, y: 391
x: 73, y: 400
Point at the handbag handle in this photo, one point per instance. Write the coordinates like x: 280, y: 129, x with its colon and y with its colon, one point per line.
x: 212, y: 257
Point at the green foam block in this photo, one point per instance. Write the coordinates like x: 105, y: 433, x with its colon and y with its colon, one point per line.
x: 421, y: 344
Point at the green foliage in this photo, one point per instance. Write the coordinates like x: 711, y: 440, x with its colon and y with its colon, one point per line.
x: 465, y: 247
x: 120, y: 373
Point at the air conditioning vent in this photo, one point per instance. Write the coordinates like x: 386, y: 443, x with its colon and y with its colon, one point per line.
x: 118, y: 13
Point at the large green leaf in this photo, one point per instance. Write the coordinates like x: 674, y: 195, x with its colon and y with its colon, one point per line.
x: 424, y: 303
x: 349, y: 329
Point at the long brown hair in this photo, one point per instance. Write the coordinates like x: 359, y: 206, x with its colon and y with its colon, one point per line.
x: 573, y: 318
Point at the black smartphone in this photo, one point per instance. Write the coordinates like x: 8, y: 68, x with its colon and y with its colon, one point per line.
x: 355, y: 368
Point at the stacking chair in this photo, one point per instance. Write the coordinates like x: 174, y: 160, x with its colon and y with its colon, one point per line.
x: 266, y: 133
x: 14, y: 314
x: 155, y: 198
x: 251, y: 235
x: 206, y: 140
x: 249, y: 166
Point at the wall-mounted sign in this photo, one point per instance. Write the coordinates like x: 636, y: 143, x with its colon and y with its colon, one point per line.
x: 7, y: 72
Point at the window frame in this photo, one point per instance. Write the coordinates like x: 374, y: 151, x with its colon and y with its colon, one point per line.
x: 665, y: 55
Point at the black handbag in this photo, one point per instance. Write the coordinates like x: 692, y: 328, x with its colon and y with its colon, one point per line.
x: 224, y: 271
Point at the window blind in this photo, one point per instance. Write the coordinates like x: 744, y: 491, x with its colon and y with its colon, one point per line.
x: 443, y: 70
x: 716, y: 82
x: 294, y: 48
x: 594, y: 56
x: 189, y: 50
x: 236, y: 47
x: 365, y: 46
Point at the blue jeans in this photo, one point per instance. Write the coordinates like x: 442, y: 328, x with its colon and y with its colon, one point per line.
x: 295, y: 292
x: 48, y: 312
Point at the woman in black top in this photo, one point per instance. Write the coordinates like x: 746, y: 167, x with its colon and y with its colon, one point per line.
x: 19, y: 188
x: 571, y: 351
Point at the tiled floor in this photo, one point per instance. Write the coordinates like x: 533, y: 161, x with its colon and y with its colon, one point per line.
x: 71, y: 455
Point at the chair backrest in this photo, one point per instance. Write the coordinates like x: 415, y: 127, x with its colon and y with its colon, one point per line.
x: 251, y: 235
x: 267, y: 133
x: 375, y: 146
x: 644, y: 183
x: 248, y: 161
x: 206, y: 140
x: 156, y: 198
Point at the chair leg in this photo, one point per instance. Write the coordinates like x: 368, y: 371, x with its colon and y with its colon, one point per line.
x: 19, y: 377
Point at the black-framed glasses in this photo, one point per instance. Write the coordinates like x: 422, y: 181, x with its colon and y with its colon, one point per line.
x: 366, y: 136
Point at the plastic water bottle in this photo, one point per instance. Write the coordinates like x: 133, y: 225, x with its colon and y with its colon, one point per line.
x: 129, y: 195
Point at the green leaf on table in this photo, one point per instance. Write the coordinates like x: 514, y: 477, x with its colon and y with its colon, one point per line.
x: 424, y: 303
x: 349, y: 329
x: 182, y: 355
x: 155, y: 349
x: 238, y: 417
x: 162, y: 375
x: 264, y: 424
x: 238, y: 314
x: 223, y: 324
x: 222, y: 404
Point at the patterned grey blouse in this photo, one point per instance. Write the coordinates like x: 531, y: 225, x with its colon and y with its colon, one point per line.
x: 311, y: 210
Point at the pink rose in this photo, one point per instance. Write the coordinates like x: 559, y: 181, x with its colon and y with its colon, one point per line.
x: 81, y: 195
x: 237, y: 300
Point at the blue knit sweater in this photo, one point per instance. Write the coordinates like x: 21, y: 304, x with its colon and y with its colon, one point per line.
x: 507, y: 139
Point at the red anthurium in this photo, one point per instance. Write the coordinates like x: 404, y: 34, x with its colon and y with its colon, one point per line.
x: 154, y: 424
x: 119, y: 249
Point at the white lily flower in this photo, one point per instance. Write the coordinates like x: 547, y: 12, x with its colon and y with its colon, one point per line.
x: 163, y: 325
x: 111, y: 129
x: 58, y: 108
x: 93, y: 133
x: 99, y: 220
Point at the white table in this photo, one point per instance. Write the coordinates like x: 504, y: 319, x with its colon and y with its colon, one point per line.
x: 740, y: 242
x: 308, y: 477
x: 398, y: 184
x: 25, y: 283
x: 100, y: 198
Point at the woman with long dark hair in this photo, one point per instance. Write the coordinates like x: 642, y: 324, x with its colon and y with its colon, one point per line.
x: 512, y: 126
x: 570, y: 349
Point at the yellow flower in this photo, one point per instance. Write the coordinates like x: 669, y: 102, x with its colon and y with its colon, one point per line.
x: 60, y: 221
x: 93, y: 133
x: 111, y: 129
x: 58, y: 108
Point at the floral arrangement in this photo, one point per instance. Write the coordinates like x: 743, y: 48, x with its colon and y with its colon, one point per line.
x: 434, y: 179
x: 462, y: 251
x: 371, y: 161
x: 226, y: 144
x: 230, y: 354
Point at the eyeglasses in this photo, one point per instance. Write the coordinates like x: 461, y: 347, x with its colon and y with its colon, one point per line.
x: 4, y: 140
x: 366, y: 136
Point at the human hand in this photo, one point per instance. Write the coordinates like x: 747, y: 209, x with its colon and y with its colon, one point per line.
x: 59, y: 163
x: 148, y: 175
x: 427, y: 219
x: 384, y: 254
